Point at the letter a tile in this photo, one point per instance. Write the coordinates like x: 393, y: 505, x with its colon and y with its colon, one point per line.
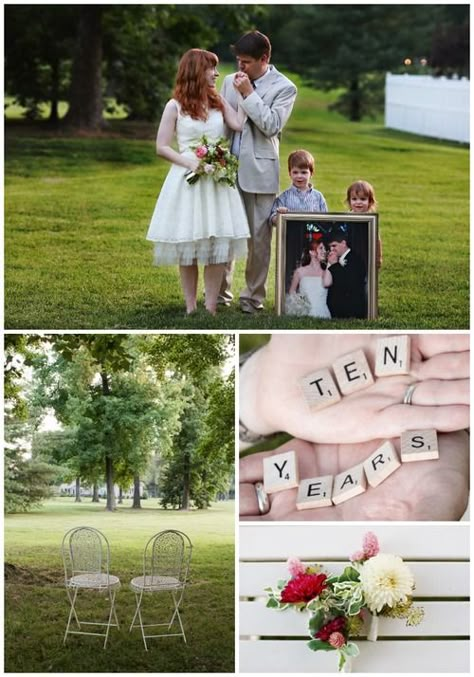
x: 392, y: 356
x: 381, y: 464
x: 348, y: 484
x: 315, y: 493
x: 352, y: 372
x: 419, y: 445
x: 280, y: 472
x: 320, y: 389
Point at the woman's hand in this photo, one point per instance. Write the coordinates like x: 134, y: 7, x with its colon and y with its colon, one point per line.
x: 272, y: 400
x: 420, y: 490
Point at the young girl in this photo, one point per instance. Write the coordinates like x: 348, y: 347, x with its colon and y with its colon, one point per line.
x: 204, y: 222
x: 360, y: 198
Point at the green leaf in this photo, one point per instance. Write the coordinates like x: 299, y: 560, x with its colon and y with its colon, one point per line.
x: 349, y: 574
x: 316, y: 622
x: 318, y: 645
x: 273, y: 603
x: 355, y: 607
x: 351, y: 649
x: 281, y: 584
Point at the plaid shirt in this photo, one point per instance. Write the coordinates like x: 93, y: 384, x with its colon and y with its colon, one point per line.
x: 296, y: 200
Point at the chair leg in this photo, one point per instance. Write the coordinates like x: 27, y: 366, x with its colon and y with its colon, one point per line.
x: 138, y: 613
x: 112, y: 612
x: 72, y: 612
x: 176, y: 613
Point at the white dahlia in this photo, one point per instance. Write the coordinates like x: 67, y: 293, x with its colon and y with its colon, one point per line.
x: 386, y: 580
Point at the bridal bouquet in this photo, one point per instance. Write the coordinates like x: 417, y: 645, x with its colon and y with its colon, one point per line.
x: 215, y: 161
x: 374, y: 584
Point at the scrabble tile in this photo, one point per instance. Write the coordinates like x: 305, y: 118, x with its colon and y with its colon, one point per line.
x: 352, y: 372
x: 381, y: 464
x: 392, y: 356
x: 315, y: 493
x: 280, y: 472
x: 419, y: 445
x: 349, y: 483
x: 320, y: 389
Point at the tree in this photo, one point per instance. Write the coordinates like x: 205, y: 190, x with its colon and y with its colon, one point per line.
x: 450, y: 43
x: 355, y: 46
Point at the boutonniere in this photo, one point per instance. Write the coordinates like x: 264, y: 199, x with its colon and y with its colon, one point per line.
x: 343, y: 262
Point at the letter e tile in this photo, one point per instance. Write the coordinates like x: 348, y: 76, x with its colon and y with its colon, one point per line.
x: 349, y: 483
x: 381, y: 464
x: 352, y: 372
x: 419, y: 445
x: 320, y: 389
x: 392, y: 356
x: 280, y: 472
x: 315, y: 493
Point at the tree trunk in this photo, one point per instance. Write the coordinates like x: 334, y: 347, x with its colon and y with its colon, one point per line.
x: 186, y: 481
x: 109, y: 464
x: 120, y: 496
x: 95, y: 494
x: 136, y: 492
x: 355, y: 95
x: 54, y: 115
x: 85, y: 99
x: 78, y: 490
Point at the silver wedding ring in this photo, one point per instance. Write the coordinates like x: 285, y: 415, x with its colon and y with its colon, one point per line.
x: 409, y: 393
x: 262, y: 499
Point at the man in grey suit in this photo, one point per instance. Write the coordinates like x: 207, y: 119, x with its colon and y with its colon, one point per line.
x: 267, y: 99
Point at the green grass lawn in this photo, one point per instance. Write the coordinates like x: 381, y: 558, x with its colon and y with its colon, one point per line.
x: 36, y: 606
x: 77, y: 210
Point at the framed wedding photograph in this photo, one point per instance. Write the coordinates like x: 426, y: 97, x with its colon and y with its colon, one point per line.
x: 327, y: 265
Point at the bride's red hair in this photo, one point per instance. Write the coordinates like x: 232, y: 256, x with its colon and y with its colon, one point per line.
x: 192, y: 89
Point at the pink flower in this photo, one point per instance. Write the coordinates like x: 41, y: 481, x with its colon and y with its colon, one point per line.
x: 357, y: 556
x: 208, y: 169
x: 201, y: 151
x: 295, y: 567
x: 303, y: 588
x: 370, y: 545
x: 337, y: 640
x: 332, y: 628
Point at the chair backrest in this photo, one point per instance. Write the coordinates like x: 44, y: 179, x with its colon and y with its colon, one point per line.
x: 85, y: 550
x: 168, y: 553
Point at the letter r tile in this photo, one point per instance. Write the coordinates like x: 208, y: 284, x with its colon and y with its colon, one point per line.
x: 352, y: 372
x: 320, y: 389
x: 280, y: 472
x: 381, y: 464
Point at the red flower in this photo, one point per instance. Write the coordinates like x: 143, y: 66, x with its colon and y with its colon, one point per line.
x: 303, y: 588
x: 335, y: 625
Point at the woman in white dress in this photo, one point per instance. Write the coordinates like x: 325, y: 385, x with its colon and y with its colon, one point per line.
x: 204, y: 222
x: 310, y: 283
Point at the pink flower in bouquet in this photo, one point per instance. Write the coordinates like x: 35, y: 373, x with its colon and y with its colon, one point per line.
x: 357, y: 556
x: 370, y: 545
x: 295, y: 566
x: 201, y: 151
x: 337, y: 640
x: 303, y: 588
x: 331, y: 628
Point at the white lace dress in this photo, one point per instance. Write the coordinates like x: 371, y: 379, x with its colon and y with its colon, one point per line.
x: 200, y: 223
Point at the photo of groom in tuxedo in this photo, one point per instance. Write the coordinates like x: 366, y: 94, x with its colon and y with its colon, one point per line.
x: 347, y: 296
x: 268, y: 98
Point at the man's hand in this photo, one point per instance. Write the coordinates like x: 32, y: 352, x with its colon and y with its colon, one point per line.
x: 243, y: 84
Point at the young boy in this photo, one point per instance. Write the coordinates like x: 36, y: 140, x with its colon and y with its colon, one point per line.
x: 301, y: 196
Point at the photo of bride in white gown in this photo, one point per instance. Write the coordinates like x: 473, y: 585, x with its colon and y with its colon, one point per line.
x: 308, y: 291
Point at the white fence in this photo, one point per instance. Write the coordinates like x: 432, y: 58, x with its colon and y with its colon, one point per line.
x: 437, y: 107
x: 274, y: 641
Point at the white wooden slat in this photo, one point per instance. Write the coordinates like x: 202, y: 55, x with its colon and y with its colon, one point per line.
x: 442, y: 619
x: 314, y: 542
x: 377, y: 657
x: 256, y: 576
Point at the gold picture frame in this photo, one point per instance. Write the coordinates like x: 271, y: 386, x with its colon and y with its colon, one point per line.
x: 295, y: 230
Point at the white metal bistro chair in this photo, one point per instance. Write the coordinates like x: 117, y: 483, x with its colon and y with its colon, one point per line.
x: 165, y: 569
x: 86, y: 557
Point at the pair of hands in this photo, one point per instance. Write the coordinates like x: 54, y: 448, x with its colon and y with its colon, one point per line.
x: 344, y: 434
x: 424, y: 490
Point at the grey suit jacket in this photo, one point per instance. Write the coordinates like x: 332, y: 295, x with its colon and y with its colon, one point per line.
x: 268, y: 109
